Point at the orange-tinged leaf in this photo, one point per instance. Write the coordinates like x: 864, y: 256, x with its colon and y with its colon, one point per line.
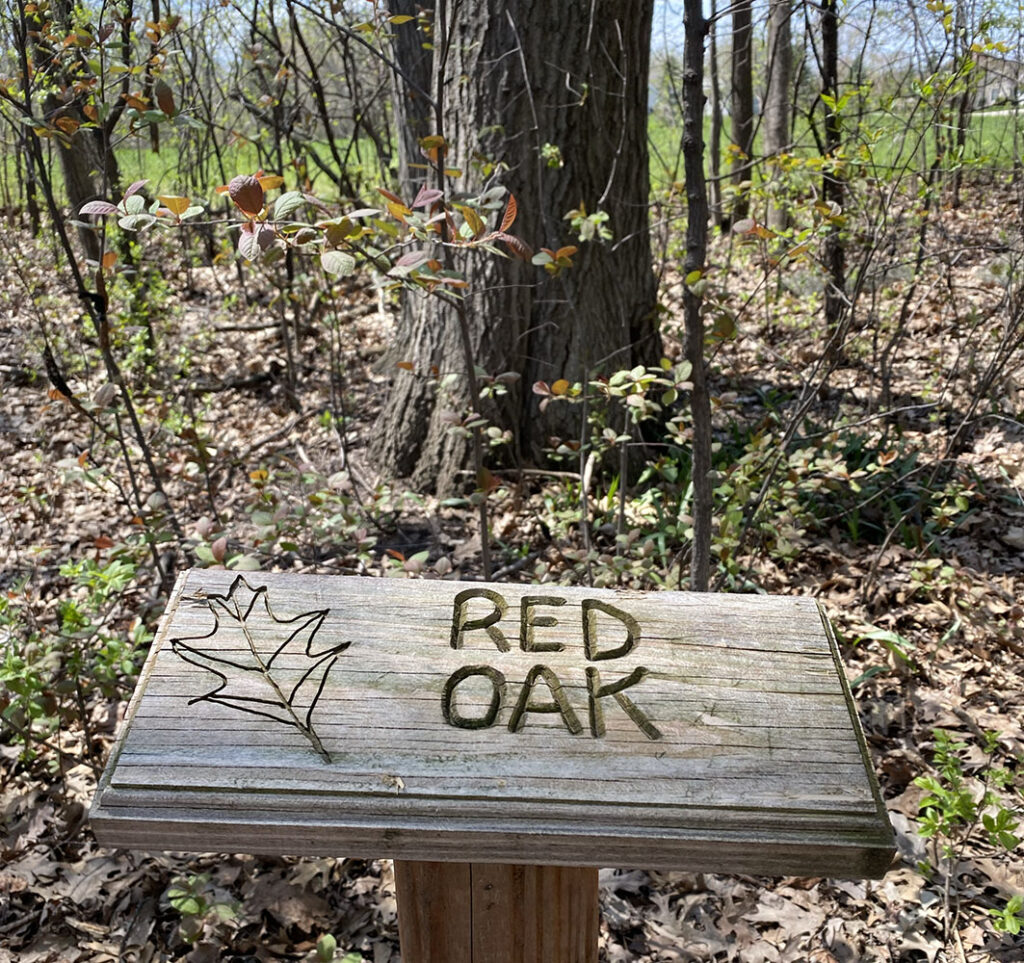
x: 67, y: 124
x: 394, y: 198
x: 560, y: 387
x: 475, y: 222
x: 164, y: 97
x: 487, y: 481
x: 103, y: 541
x: 109, y: 259
x: 517, y: 246
x: 405, y: 365
x: 175, y: 204
x: 83, y: 458
x: 91, y: 112
x: 568, y: 251
x: 510, y: 213
x: 394, y: 553
x: 398, y: 211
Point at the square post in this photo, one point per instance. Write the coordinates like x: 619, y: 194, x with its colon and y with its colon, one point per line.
x: 496, y: 912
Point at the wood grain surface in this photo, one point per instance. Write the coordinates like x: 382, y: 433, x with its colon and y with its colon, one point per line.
x: 454, y: 721
x: 496, y: 913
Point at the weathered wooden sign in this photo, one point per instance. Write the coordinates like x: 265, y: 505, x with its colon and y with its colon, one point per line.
x: 433, y: 720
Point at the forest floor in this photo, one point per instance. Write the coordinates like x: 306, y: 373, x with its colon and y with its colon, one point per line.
x: 933, y: 634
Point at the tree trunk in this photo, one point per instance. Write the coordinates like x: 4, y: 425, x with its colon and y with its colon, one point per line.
x: 962, y: 40
x: 742, y: 105
x: 777, y: 102
x: 86, y: 156
x: 514, y: 77
x: 410, y: 96
x: 696, y: 254
x: 833, y: 188
x: 715, y: 159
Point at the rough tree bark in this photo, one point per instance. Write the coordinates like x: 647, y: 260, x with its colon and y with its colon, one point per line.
x: 741, y: 107
x: 715, y: 155
x: 86, y: 155
x: 514, y: 77
x: 410, y: 96
x: 696, y: 254
x: 777, y: 99
x: 833, y: 187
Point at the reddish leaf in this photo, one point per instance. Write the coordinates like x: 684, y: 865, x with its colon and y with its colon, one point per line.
x: 405, y: 365
x: 427, y: 196
x: 510, y: 213
x: 541, y: 388
x: 164, y: 97
x: 219, y: 548
x: 412, y: 259
x: 394, y: 198
x: 135, y: 187
x: 487, y: 481
x: 517, y: 246
x: 98, y: 207
x: 247, y: 193
x: 394, y: 553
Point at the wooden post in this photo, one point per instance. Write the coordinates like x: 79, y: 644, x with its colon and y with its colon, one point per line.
x: 496, y: 913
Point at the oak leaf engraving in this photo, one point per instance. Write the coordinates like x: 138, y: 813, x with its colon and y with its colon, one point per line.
x: 253, y: 646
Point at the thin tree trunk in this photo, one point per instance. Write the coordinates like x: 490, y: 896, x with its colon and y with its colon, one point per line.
x: 833, y: 186
x: 965, y: 100
x: 742, y: 106
x: 777, y: 103
x: 696, y: 254
x: 717, y: 208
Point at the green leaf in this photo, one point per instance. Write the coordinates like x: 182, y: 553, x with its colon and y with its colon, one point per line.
x: 398, y: 19
x: 288, y: 202
x: 325, y: 948
x: 244, y: 563
x: 136, y: 222
x: 338, y: 263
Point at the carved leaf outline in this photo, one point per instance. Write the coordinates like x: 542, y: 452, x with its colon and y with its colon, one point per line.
x: 264, y: 640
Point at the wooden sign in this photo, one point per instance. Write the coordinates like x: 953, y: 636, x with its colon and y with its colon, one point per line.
x: 494, y: 723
